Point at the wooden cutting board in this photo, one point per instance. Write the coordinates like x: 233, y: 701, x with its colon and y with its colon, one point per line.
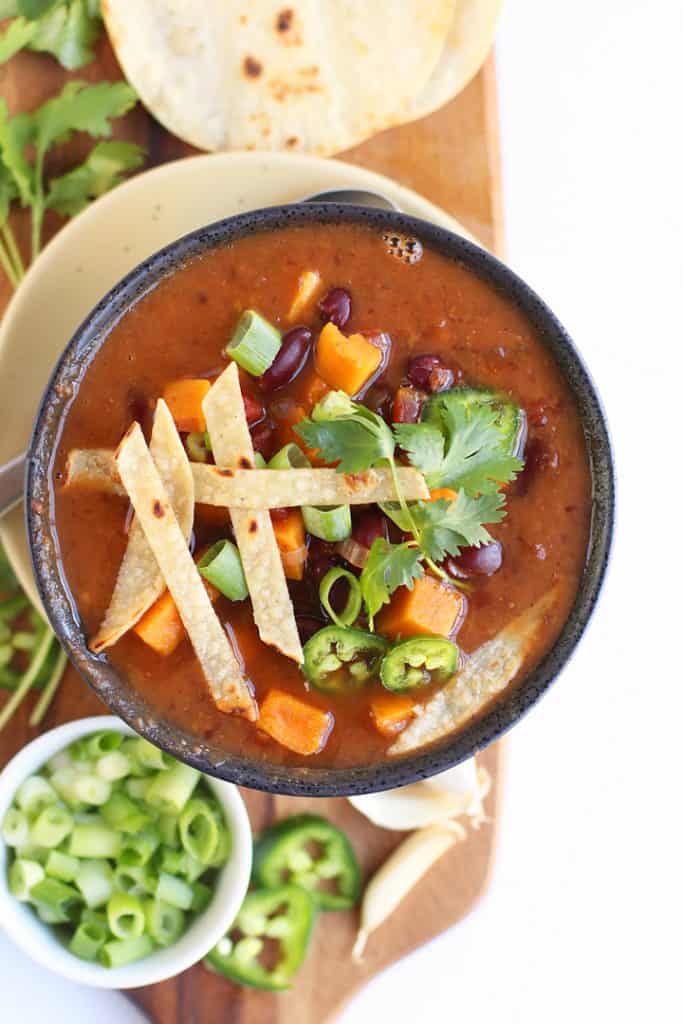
x: 452, y: 158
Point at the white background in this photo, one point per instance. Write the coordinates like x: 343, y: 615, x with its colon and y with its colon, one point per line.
x: 582, y: 919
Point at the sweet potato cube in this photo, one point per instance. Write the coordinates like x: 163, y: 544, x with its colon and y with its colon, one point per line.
x: 161, y: 627
x: 431, y: 607
x: 391, y: 712
x: 345, y: 363
x: 288, y: 527
x: 184, y: 399
x: 298, y: 726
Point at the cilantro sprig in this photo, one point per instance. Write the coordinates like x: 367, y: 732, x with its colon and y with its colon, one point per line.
x: 465, y: 442
x: 66, y: 29
x: 79, y: 107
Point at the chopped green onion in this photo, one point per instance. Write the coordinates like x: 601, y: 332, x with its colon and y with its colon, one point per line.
x: 113, y: 766
x: 348, y: 615
x: 192, y: 869
x: 95, y: 882
x: 223, y: 850
x: 91, y: 789
x: 62, y: 866
x: 88, y: 939
x: 34, y: 794
x: 63, y: 781
x: 53, y: 895
x: 129, y: 748
x: 151, y: 757
x: 103, y: 742
x: 170, y: 790
x: 123, y: 814
x: 330, y: 524
x: 172, y: 861
x: 138, y: 849
x: 196, y: 445
x: 15, y: 827
x: 120, y: 952
x: 222, y: 566
x: 94, y: 839
x: 174, y: 891
x: 201, y: 897
x: 23, y: 875
x: 165, y: 922
x: 199, y: 830
x: 168, y: 830
x: 137, y: 788
x: 254, y: 344
x: 135, y: 880
x: 289, y: 457
x: 125, y: 916
x: 52, y: 826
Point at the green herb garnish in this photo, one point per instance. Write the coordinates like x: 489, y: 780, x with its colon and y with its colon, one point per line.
x: 66, y: 29
x: 389, y: 566
x: 79, y: 107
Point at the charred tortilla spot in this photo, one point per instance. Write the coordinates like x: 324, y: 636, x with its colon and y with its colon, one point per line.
x: 252, y: 67
x: 283, y: 22
x: 244, y: 463
x: 158, y: 509
x: 253, y: 526
x: 292, y: 141
x: 225, y: 472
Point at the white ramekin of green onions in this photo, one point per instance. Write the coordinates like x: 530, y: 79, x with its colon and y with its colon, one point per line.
x: 119, y: 866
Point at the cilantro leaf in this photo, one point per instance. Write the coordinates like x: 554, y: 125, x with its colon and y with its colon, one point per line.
x: 480, y: 431
x: 445, y: 527
x: 423, y: 443
x: 8, y: 191
x: 101, y: 171
x: 15, y: 134
x: 347, y: 433
x: 80, y: 107
x: 67, y: 29
x: 388, y: 567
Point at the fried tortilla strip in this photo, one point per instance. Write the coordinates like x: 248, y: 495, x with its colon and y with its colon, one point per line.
x: 232, y: 448
x: 139, y: 582
x: 260, y: 488
x: 486, y: 672
x: 228, y: 686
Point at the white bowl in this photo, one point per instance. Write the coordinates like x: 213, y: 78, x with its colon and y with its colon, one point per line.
x: 39, y: 941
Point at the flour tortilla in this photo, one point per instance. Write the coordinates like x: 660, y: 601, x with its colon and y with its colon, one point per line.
x: 469, y: 39
x: 313, y: 76
x: 139, y: 582
x: 231, y: 444
x: 259, y: 488
x: 484, y: 674
x: 153, y: 510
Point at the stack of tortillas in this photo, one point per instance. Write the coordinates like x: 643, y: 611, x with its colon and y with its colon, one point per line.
x: 313, y: 76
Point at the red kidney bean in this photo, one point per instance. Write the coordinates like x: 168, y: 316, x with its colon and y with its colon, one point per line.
x: 368, y: 527
x: 321, y: 558
x: 263, y: 439
x: 407, y: 407
x: 481, y: 561
x: 253, y: 409
x: 289, y: 361
x: 538, y: 458
x: 335, y: 307
x: 430, y: 373
x: 307, y: 626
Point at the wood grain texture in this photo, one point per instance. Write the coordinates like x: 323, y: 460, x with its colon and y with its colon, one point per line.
x: 452, y: 158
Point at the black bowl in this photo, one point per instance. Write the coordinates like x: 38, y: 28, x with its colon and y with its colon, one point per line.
x: 107, y: 682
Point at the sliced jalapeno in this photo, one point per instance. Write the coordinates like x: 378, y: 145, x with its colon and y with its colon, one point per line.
x: 309, y: 852
x: 418, y: 662
x: 338, y: 660
x: 284, y: 914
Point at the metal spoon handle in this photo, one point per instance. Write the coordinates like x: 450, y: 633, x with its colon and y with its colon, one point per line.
x: 12, y: 482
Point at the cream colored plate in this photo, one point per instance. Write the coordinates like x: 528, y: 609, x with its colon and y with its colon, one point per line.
x: 118, y: 231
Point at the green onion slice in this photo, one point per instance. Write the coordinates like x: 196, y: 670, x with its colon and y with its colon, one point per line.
x: 289, y: 457
x: 351, y: 610
x: 254, y: 344
x: 197, y: 447
x: 222, y: 566
x: 330, y: 524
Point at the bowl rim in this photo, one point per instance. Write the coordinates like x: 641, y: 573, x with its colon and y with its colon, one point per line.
x: 38, y: 941
x: 267, y: 776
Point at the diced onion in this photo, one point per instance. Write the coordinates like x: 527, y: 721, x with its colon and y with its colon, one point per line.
x: 354, y: 553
